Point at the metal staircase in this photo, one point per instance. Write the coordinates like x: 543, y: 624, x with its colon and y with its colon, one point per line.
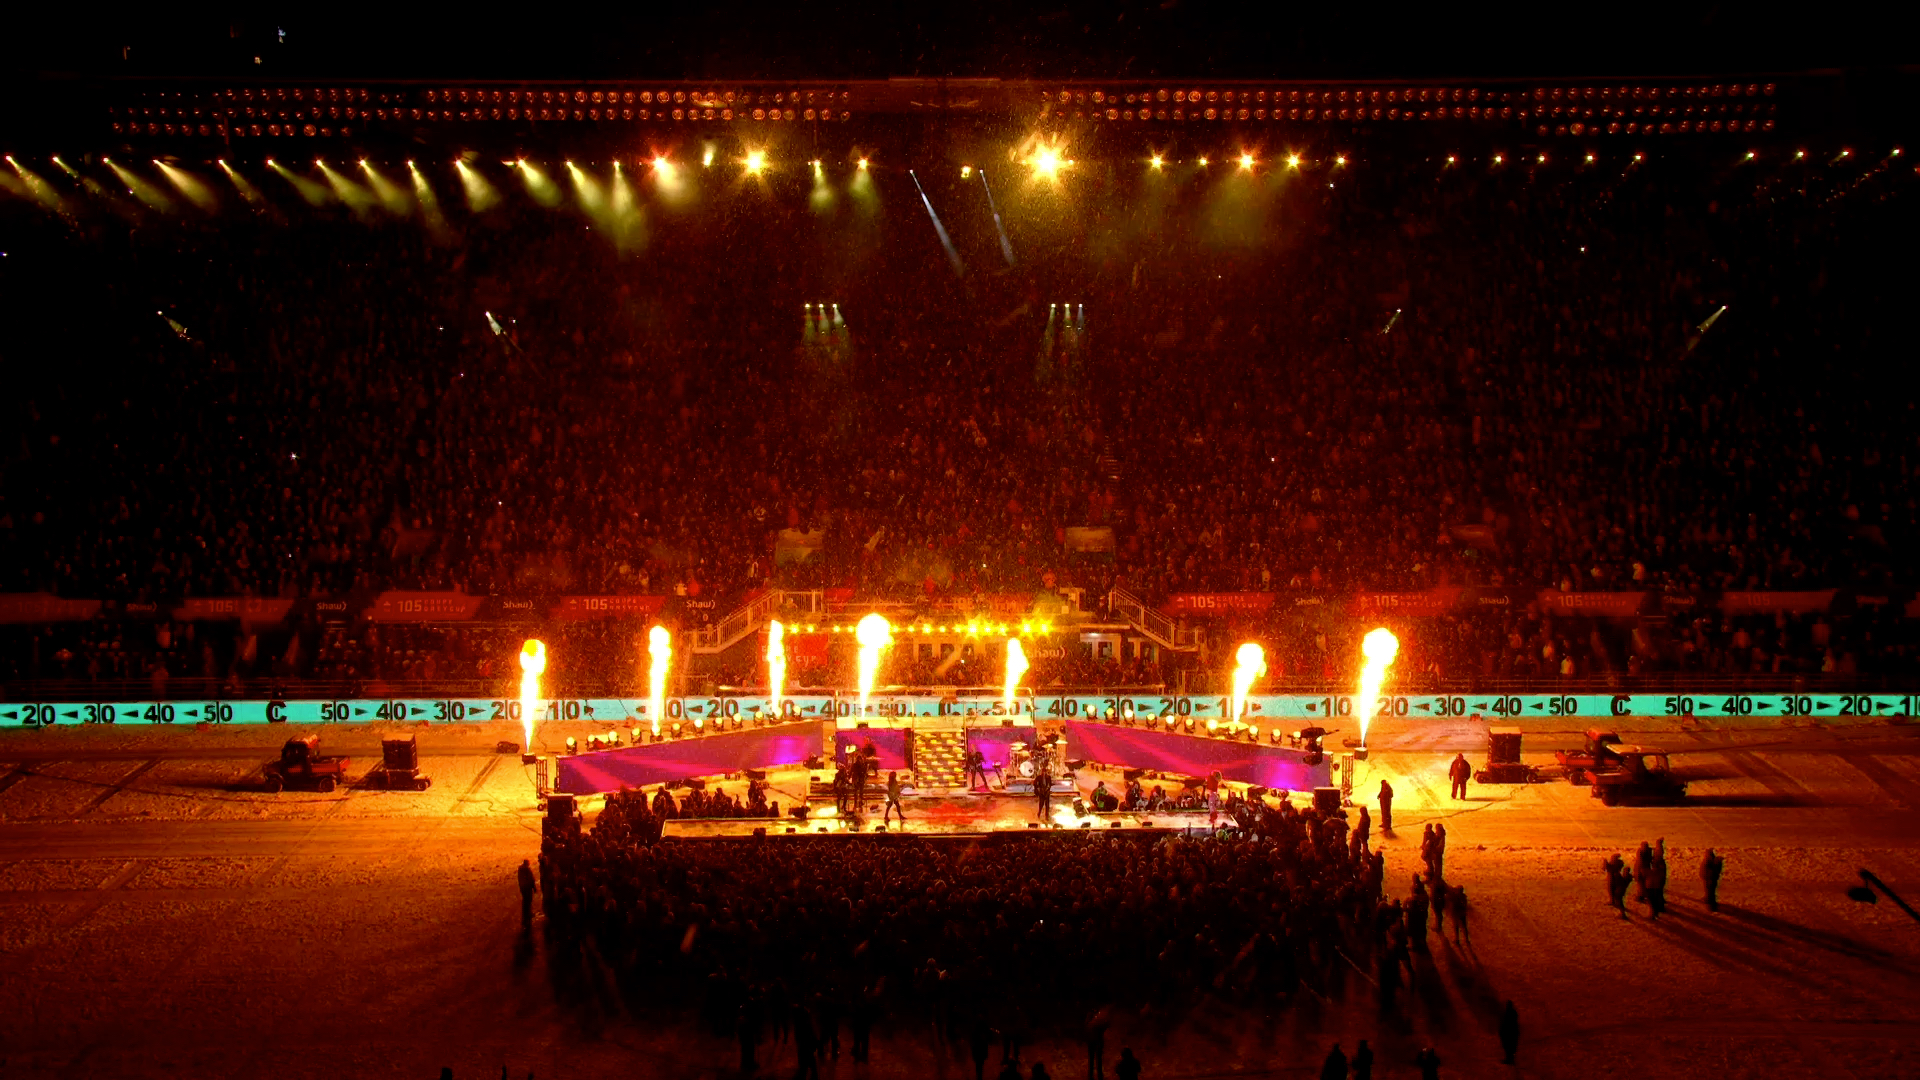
x: 1164, y: 632
x: 752, y: 617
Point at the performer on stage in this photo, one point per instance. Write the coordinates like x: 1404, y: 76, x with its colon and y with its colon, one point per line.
x: 1043, y: 783
x: 977, y: 769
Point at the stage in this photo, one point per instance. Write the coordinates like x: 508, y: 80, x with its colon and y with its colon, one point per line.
x: 946, y: 815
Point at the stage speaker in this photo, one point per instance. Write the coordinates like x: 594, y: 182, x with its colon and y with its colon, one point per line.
x: 505, y: 747
x: 1130, y: 775
x: 761, y: 831
x: 816, y: 762
x: 560, y: 807
x: 798, y: 813
x: 1076, y: 764
x: 1326, y: 800
x: 1256, y: 791
x: 693, y: 782
x: 756, y: 774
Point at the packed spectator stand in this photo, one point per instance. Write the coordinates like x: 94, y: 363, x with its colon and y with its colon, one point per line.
x: 1410, y: 373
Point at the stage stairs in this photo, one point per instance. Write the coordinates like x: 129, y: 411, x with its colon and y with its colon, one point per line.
x: 940, y: 760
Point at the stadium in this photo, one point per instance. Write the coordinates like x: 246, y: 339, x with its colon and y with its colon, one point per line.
x: 811, y: 533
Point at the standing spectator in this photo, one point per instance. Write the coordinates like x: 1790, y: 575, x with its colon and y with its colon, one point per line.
x: 979, y: 1042
x: 806, y: 1046
x: 1657, y: 881
x: 527, y: 886
x: 1459, y: 772
x: 1711, y: 868
x: 1386, y: 808
x: 1509, y: 1033
x: 1618, y: 877
x: 1428, y: 1061
x: 1095, y: 1036
x: 1335, y: 1066
x: 1457, y: 903
x: 1642, y: 869
x: 1128, y: 1067
x: 860, y: 1021
x: 1363, y: 1061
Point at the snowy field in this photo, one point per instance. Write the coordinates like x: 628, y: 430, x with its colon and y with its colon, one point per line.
x: 162, y: 917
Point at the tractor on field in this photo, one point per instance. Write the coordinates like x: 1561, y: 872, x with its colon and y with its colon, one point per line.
x: 1639, y: 774
x: 301, y: 765
x: 1595, y: 756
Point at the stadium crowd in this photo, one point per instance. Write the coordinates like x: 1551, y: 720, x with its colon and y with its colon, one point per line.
x: 1279, y: 904
x: 1511, y: 380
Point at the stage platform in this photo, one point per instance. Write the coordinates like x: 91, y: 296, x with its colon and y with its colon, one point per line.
x: 941, y: 819
x: 934, y: 815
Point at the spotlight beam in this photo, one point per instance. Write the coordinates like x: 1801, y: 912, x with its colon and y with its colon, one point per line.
x: 946, y: 242
x: 1006, y: 245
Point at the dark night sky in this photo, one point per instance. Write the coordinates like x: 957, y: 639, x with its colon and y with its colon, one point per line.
x: 1052, y: 38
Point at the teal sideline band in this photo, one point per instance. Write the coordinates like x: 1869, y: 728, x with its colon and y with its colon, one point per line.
x: 1291, y: 709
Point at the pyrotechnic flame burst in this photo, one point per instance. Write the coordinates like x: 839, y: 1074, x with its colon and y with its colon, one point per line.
x: 660, y: 649
x: 1016, y: 667
x: 873, y: 633
x: 1250, y: 663
x: 776, y: 664
x: 1379, y: 648
x: 533, y: 663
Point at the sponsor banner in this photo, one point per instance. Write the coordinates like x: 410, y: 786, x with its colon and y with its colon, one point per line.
x: 1438, y: 601
x: 333, y: 609
x: 1610, y: 604
x: 424, y: 607
x: 515, y: 609
x: 1218, y: 603
x: 133, y: 609
x: 607, y: 607
x: 1489, y: 599
x: 1285, y: 711
x: 252, y: 609
x: 1767, y: 603
x: 44, y: 607
x: 801, y: 648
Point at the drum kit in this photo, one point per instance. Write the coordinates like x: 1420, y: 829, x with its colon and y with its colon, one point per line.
x: 1023, y: 760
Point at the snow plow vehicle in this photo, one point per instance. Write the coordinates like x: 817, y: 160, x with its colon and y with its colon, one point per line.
x: 301, y: 765
x: 1638, y: 774
x: 1596, y: 755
